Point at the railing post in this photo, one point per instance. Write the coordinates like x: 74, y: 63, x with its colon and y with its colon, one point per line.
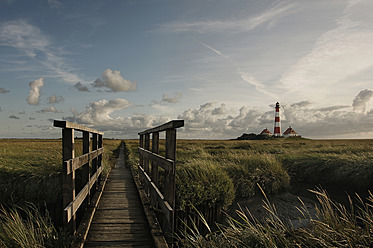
x: 86, y: 175
x: 94, y: 161
x: 68, y: 181
x: 170, y: 177
x: 141, y: 159
x: 146, y: 161
x: 99, y: 160
x: 155, y: 171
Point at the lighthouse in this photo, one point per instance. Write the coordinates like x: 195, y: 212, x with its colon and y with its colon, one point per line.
x: 277, y: 130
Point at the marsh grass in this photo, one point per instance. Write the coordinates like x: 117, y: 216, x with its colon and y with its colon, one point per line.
x: 273, y: 164
x: 30, y: 176
x: 26, y: 227
x: 27, y: 166
x: 333, y: 226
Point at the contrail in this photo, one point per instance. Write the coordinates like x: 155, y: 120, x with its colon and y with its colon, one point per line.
x: 246, y: 77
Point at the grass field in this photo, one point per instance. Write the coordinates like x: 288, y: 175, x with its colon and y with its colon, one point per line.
x: 212, y: 172
x: 208, y: 169
x: 224, y: 171
x: 30, y: 169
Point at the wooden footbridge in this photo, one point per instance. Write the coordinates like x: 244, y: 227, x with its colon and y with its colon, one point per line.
x: 121, y: 212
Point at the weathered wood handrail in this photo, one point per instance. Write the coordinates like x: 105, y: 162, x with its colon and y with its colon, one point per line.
x: 92, y: 157
x: 150, y: 179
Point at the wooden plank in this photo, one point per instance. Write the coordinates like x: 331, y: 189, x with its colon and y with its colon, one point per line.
x: 75, y: 204
x: 94, y: 177
x: 170, y: 177
x: 76, y: 163
x: 170, y: 187
x: 164, y: 127
x: 165, y: 163
x: 163, y: 204
x: 78, y: 127
x: 68, y: 181
x: 155, y: 150
x: 154, y: 167
x: 86, y: 166
x: 119, y: 220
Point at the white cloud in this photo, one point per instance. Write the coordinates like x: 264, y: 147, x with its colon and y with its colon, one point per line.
x: 244, y: 75
x: 51, y: 109
x: 174, y: 99
x: 21, y: 35
x: 114, y: 81
x: 269, y: 16
x: 54, y: 4
x: 33, y: 97
x: 98, y: 114
x: 55, y: 99
x: 337, y: 54
x: 363, y: 102
x: 31, y: 41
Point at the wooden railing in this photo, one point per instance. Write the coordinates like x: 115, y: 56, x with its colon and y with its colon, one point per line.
x: 150, y: 160
x: 92, y: 157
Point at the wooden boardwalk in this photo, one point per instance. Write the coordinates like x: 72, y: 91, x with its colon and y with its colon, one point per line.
x: 119, y: 220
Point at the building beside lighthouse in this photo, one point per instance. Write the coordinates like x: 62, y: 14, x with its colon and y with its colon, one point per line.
x: 277, y: 129
x: 266, y: 132
x: 290, y: 133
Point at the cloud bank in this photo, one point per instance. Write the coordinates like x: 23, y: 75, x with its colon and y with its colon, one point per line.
x: 99, y: 114
x: 33, y: 97
x: 217, y: 121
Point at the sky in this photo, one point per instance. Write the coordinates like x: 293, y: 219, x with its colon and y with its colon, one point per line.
x: 124, y: 66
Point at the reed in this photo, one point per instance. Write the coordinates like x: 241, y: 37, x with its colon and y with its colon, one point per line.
x: 26, y: 227
x: 333, y: 226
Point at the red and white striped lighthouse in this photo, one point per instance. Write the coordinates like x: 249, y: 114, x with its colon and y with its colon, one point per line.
x: 277, y: 131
